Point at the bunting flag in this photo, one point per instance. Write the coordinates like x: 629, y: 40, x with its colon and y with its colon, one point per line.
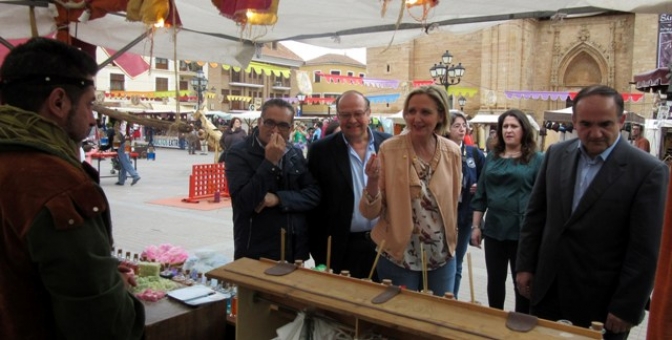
x: 419, y: 83
x: 384, y: 98
x: 453, y: 90
x: 352, y: 80
x: 561, y: 95
x: 131, y: 64
x: 145, y: 94
x: 545, y: 95
x: 323, y: 101
x: 233, y: 98
x: 462, y: 91
x: 260, y: 68
x: 381, y: 83
x: 338, y: 79
x: 633, y: 97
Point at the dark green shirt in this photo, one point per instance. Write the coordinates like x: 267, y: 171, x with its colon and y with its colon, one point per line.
x: 503, y: 191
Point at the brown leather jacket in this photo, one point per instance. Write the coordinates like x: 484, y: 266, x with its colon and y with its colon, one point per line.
x: 58, y: 278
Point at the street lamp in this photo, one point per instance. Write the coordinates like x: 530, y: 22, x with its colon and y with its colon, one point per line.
x: 447, y: 74
x: 302, y: 99
x: 462, y: 102
x: 200, y: 84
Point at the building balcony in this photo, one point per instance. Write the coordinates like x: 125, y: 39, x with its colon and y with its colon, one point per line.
x: 241, y: 84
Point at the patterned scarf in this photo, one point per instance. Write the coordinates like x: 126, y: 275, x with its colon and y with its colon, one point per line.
x: 24, y: 128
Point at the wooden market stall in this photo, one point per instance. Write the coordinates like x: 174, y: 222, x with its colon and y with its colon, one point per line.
x: 266, y: 302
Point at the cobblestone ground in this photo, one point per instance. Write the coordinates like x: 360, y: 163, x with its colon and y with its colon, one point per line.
x: 137, y: 223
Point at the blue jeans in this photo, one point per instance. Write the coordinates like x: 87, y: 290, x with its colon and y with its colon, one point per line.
x: 125, y: 163
x: 440, y: 280
x: 463, y: 236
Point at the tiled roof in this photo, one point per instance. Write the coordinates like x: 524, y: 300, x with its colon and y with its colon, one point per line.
x: 334, y: 59
x: 280, y: 52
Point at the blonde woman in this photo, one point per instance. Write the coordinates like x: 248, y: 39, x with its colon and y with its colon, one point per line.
x: 413, y: 186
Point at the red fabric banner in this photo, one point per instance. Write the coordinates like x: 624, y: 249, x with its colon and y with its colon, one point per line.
x: 634, y: 97
x: 131, y: 64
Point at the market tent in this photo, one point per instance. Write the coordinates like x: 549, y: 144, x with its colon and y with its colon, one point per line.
x: 206, y: 35
x: 218, y: 114
x: 246, y: 114
x: 562, y: 115
x: 565, y: 116
x: 482, y: 118
x: 654, y: 80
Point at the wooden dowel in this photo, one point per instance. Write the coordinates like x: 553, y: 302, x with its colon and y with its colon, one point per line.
x: 282, y: 244
x: 471, y: 278
x: 375, y: 262
x: 424, y: 268
x: 328, y: 253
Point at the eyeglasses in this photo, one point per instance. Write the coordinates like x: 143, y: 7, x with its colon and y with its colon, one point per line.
x: 282, y: 126
x: 347, y: 115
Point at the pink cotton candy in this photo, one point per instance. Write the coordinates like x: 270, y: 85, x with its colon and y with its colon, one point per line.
x: 166, y: 253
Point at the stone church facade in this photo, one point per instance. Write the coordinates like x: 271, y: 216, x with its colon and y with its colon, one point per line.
x: 528, y: 55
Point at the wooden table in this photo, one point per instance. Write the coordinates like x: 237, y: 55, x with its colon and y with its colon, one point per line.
x: 266, y: 302
x: 168, y: 319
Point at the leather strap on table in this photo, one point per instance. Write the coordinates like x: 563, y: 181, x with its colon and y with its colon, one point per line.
x: 520, y: 322
x: 280, y: 269
x: 387, y: 295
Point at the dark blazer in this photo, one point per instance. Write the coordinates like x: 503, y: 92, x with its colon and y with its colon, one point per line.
x: 329, y: 162
x: 603, y: 256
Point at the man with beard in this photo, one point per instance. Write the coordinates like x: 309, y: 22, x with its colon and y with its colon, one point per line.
x: 337, y: 163
x: 58, y: 279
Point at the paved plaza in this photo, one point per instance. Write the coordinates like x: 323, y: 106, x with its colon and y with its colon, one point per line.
x: 138, y: 223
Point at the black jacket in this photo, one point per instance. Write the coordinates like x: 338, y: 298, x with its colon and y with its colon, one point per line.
x: 250, y: 176
x: 329, y: 162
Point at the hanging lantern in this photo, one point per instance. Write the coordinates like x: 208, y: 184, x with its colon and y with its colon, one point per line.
x: 249, y: 12
x: 159, y: 13
x: 424, y: 3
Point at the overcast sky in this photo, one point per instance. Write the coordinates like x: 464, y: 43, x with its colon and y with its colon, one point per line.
x: 308, y: 52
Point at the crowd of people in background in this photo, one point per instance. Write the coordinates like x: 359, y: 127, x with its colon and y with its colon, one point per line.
x: 579, y: 227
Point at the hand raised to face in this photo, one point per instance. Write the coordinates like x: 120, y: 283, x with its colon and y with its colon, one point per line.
x: 372, y: 168
x: 275, y: 148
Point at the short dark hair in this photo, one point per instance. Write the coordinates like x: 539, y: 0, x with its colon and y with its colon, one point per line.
x: 600, y: 90
x: 277, y: 102
x: 31, y: 71
x: 233, y: 120
x: 366, y: 100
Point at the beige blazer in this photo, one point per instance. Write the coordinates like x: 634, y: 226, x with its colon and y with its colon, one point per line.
x: 399, y: 183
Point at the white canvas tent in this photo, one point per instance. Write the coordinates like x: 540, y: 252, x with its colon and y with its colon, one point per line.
x: 208, y: 36
x: 562, y: 115
x: 565, y: 116
x: 492, y: 119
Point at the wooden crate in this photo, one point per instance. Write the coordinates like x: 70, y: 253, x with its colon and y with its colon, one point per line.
x: 169, y: 319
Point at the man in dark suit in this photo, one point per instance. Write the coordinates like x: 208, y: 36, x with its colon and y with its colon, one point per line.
x: 589, y: 244
x: 337, y: 163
